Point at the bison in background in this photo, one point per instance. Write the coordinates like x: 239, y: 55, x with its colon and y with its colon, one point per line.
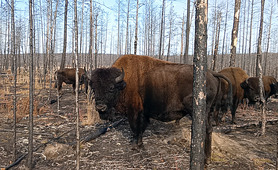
x: 149, y: 88
x: 67, y: 75
x: 252, y: 89
x: 236, y: 75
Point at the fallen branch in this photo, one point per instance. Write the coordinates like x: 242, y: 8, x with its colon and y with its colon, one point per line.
x: 24, y: 155
x: 229, y: 128
x: 101, y: 131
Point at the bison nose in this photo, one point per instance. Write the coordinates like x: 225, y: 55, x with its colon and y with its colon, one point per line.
x: 101, y: 107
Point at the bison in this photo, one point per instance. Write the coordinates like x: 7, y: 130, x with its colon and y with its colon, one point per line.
x: 144, y: 88
x: 67, y: 75
x: 252, y: 89
x: 236, y: 75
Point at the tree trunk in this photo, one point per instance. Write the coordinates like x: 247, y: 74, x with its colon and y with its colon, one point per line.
x: 182, y: 30
x: 161, y: 29
x: 119, y: 17
x: 76, y: 87
x: 235, y: 33
x: 218, y: 23
x: 136, y: 29
x: 250, y: 38
x: 199, y: 117
x: 31, y: 89
x: 224, y: 36
x: 15, y: 75
x: 268, y: 39
x: 63, y: 60
x: 96, y: 49
x: 259, y: 69
x: 185, y: 57
x: 126, y: 35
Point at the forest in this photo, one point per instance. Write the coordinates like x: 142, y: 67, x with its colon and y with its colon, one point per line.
x: 41, y: 126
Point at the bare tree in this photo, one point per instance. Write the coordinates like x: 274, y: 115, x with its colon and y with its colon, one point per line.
x: 76, y: 87
x: 224, y: 35
x: 136, y: 28
x: 161, y: 29
x: 250, y: 35
x: 15, y: 75
x: 171, y: 22
x: 268, y: 39
x: 215, y: 53
x: 63, y: 60
x: 235, y: 33
x: 259, y: 72
x: 119, y: 18
x: 182, y: 30
x: 127, y: 19
x: 31, y: 88
x: 199, y: 88
x: 185, y: 58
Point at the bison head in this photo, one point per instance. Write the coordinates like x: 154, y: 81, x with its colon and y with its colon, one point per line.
x: 107, y: 83
x: 251, y: 89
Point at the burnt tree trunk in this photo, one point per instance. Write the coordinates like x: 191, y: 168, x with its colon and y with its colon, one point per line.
x: 31, y: 89
x: 197, y: 154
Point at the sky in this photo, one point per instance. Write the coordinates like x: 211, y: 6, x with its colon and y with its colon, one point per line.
x: 109, y: 19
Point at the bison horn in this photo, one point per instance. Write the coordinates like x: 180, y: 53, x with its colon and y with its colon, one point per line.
x: 121, y: 77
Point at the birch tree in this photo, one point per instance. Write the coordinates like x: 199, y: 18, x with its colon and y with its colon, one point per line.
x: 259, y: 71
x: 76, y: 87
x: 235, y: 33
x: 136, y: 29
x: 63, y: 59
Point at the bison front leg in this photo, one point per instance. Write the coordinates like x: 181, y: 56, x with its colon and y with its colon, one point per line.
x: 73, y: 87
x: 208, y: 139
x: 59, y: 86
x: 138, y: 124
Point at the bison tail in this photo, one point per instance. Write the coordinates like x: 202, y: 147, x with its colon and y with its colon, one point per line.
x: 230, y: 90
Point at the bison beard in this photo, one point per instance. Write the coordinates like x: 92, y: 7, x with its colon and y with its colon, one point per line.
x: 154, y: 89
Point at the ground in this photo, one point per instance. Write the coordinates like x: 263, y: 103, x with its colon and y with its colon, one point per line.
x: 166, y: 145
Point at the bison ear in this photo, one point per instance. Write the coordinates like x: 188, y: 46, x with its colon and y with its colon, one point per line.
x: 244, y: 84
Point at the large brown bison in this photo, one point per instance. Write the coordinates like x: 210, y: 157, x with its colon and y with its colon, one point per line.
x: 252, y: 89
x: 142, y: 88
x: 67, y: 75
x: 236, y: 76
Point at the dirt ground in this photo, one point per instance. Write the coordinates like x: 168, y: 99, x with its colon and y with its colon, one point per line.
x: 166, y: 145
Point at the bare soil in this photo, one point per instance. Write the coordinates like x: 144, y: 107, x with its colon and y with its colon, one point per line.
x: 166, y: 145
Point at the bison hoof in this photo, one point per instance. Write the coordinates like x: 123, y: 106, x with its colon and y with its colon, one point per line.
x: 136, y: 146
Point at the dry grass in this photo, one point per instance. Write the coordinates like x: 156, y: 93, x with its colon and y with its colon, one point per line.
x: 22, y: 93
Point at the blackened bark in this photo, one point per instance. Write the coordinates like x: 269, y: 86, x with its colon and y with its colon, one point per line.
x: 198, y: 132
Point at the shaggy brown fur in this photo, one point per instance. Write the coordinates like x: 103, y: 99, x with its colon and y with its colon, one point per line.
x: 236, y: 76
